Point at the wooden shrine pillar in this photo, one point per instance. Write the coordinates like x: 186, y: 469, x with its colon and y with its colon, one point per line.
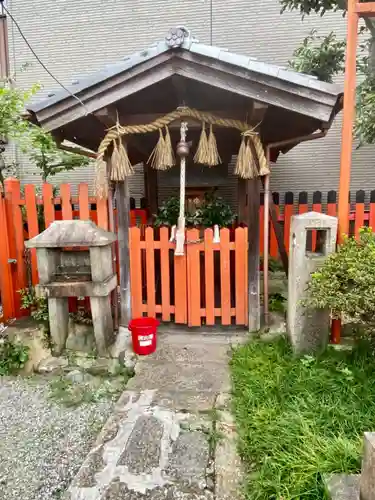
x: 248, y: 213
x: 243, y: 214
x: 253, y: 202
x: 123, y: 219
x: 151, y: 188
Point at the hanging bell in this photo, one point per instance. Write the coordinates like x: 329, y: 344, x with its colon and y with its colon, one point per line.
x: 183, y: 149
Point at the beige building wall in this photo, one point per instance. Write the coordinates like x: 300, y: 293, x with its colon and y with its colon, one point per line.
x: 76, y: 38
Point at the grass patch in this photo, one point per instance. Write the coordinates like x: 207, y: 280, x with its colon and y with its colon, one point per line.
x: 300, y: 418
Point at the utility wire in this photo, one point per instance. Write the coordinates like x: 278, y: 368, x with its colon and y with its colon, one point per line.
x: 39, y: 60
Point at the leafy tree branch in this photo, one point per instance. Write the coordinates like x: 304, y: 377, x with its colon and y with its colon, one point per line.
x: 324, y: 57
x: 37, y: 144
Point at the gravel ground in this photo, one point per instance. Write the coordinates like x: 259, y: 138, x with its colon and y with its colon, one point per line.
x: 42, y: 444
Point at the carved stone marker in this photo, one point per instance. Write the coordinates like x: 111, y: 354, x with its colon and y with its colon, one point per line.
x: 367, y: 481
x: 308, y: 329
x: 65, y: 272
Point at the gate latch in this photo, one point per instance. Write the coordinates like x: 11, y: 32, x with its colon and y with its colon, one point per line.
x: 12, y: 261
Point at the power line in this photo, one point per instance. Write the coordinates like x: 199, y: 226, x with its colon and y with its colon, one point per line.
x: 39, y: 60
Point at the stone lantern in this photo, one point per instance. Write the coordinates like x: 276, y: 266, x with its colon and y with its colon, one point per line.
x: 75, y: 260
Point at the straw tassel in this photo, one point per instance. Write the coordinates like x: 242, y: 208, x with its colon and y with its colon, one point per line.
x: 262, y: 160
x: 101, y: 180
x: 240, y: 158
x: 120, y: 163
x: 213, y: 157
x: 126, y: 166
x: 156, y: 158
x: 169, y: 158
x: 245, y: 165
x: 252, y: 161
x: 201, y: 154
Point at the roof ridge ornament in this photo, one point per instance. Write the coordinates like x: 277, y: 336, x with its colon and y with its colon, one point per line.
x: 176, y: 36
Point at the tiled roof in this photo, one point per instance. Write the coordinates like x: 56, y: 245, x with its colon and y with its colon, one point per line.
x: 180, y: 38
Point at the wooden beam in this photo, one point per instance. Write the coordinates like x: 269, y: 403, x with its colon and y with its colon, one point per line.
x: 77, y: 151
x: 181, y: 90
x: 258, y: 112
x: 140, y: 119
x: 253, y: 199
x: 107, y: 116
x: 365, y: 8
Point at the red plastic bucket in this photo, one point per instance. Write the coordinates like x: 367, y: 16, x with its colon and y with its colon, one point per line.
x: 144, y: 335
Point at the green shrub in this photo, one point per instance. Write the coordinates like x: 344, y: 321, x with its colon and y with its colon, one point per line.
x: 168, y: 214
x: 213, y: 210
x: 13, y: 356
x: 277, y: 303
x: 345, y: 283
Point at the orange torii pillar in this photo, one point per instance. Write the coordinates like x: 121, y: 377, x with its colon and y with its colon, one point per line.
x: 355, y: 10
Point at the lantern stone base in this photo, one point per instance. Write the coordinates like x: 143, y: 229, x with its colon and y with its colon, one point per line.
x: 101, y: 317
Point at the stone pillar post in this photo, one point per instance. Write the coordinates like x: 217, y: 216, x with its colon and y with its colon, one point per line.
x: 101, y: 269
x: 367, y: 482
x: 58, y: 310
x: 308, y: 329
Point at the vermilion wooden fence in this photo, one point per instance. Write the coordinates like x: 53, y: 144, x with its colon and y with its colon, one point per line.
x: 207, y: 285
x: 361, y: 213
x: 24, y: 215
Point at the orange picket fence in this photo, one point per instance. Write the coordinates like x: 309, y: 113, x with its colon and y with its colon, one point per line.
x: 208, y: 285
x: 24, y: 215
x: 362, y: 213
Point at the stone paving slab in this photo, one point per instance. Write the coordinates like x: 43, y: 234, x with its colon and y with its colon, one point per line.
x: 182, y: 350
x: 156, y: 445
x: 164, y: 376
x: 187, y: 401
x: 145, y: 450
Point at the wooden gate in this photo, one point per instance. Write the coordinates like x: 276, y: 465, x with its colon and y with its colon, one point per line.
x: 208, y: 285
